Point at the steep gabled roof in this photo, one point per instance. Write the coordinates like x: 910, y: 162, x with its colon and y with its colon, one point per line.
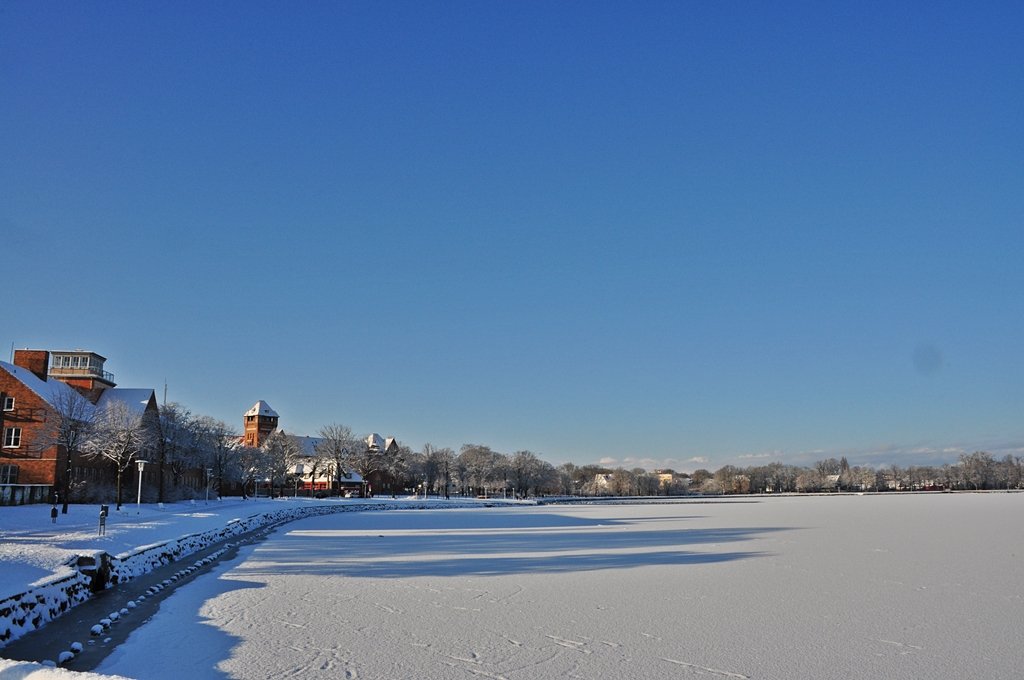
x: 136, y: 399
x: 307, y: 444
x: 262, y: 408
x: 59, y: 394
x: 53, y: 392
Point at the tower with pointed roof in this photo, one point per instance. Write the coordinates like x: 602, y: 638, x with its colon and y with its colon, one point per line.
x: 260, y: 422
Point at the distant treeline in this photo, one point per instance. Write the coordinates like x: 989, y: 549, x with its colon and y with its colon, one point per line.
x: 976, y: 471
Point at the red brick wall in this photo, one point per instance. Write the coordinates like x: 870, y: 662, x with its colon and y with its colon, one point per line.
x: 35, y: 360
x: 85, y: 386
x: 258, y: 429
x: 36, y: 457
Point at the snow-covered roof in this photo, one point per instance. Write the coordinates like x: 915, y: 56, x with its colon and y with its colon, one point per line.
x: 307, y: 444
x: 136, y: 399
x: 305, y: 467
x: 59, y: 394
x: 53, y: 392
x: 262, y: 408
x: 309, y: 454
x: 375, y: 441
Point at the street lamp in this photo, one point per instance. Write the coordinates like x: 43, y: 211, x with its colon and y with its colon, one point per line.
x: 138, y: 499
x: 209, y: 471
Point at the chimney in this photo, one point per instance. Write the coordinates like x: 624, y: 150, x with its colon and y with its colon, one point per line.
x: 35, y: 360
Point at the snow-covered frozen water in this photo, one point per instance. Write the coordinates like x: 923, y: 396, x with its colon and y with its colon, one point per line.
x: 924, y: 586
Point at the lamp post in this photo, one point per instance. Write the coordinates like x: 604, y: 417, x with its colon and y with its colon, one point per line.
x: 341, y: 469
x: 209, y: 471
x: 138, y: 499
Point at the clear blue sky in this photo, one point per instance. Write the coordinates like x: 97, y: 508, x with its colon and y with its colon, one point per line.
x: 663, y: 234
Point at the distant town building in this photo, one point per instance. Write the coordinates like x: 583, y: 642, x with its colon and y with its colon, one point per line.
x: 379, y: 444
x: 310, y: 471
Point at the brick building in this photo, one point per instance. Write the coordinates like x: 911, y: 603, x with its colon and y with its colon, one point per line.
x: 260, y: 423
x: 39, y: 391
x: 309, y: 470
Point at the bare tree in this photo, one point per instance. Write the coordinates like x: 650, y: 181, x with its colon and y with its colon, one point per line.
x: 439, y: 466
x: 176, y: 434
x: 119, y: 436
x: 366, y: 460
x: 526, y: 471
x: 252, y: 464
x: 978, y: 469
x: 282, y: 453
x: 338, y: 445
x: 218, y: 450
x: 73, y: 424
x: 567, y: 478
x: 480, y: 464
x: 396, y: 461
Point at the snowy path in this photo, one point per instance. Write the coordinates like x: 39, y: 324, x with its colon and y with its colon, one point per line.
x: 850, y: 587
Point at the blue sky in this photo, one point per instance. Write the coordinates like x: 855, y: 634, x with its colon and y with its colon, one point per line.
x: 677, y: 234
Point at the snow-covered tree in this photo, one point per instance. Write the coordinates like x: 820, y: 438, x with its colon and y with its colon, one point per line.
x: 72, y: 426
x: 282, y: 454
x: 120, y: 435
x: 978, y: 469
x: 177, y: 434
x: 218, y: 450
x: 253, y: 465
x: 339, y: 446
x: 526, y: 471
x: 482, y: 466
x: 439, y: 467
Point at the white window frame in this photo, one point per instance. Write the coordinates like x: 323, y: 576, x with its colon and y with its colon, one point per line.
x: 12, y: 438
x: 8, y: 403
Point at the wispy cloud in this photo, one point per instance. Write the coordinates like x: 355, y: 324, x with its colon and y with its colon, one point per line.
x: 678, y: 464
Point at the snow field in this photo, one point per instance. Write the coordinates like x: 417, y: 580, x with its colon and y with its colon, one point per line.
x: 27, y: 549
x: 923, y: 586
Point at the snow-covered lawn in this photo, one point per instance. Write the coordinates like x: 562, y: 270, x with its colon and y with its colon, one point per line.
x: 925, y: 586
x: 32, y: 547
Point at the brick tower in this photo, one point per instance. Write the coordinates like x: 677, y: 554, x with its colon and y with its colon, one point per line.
x: 260, y: 421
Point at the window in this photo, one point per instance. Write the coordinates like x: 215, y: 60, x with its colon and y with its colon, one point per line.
x: 12, y: 437
x: 8, y: 403
x: 8, y: 474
